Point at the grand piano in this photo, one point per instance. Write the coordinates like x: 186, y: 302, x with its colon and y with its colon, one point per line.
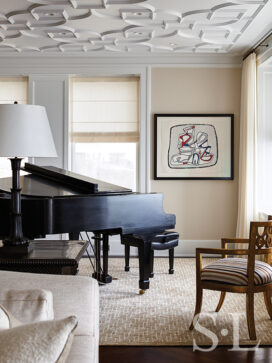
x: 56, y: 201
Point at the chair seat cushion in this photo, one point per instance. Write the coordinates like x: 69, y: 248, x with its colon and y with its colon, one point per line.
x: 234, y: 271
x: 161, y: 241
x: 164, y: 245
x: 166, y: 236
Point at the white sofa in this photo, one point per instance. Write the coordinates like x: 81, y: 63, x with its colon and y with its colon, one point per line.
x: 72, y: 295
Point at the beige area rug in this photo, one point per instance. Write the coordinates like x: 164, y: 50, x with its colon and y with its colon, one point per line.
x: 163, y: 314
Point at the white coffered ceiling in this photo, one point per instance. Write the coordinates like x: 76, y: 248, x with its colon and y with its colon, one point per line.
x: 131, y: 26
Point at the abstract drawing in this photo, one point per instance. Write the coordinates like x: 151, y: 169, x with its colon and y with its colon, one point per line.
x: 192, y: 146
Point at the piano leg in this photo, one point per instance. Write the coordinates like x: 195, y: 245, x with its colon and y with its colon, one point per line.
x: 99, y: 274
x: 145, y: 256
x: 106, y: 278
x: 127, y: 254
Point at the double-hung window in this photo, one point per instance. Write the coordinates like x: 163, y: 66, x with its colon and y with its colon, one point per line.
x: 264, y: 142
x: 104, y: 129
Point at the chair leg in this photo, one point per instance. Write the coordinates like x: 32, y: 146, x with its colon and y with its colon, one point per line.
x: 250, y: 315
x: 221, y: 300
x: 199, y: 296
x: 268, y: 303
x: 171, y: 260
x: 127, y: 253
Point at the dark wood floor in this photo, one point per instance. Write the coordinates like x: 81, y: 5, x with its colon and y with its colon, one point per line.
x: 119, y: 354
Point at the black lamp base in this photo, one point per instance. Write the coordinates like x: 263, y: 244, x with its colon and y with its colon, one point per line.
x: 10, y: 250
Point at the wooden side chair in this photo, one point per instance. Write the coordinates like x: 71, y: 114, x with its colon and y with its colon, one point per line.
x: 238, y: 275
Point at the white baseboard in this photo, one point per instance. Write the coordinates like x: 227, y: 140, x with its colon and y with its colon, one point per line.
x: 186, y: 248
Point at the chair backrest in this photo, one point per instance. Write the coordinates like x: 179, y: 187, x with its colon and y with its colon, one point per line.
x: 260, y: 235
x: 260, y: 243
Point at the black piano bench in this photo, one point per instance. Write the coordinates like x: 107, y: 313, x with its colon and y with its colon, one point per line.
x: 163, y: 241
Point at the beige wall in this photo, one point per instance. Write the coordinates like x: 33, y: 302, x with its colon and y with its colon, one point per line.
x: 205, y: 209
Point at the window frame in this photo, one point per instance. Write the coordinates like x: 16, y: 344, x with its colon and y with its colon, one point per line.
x: 264, y: 70
x: 143, y: 152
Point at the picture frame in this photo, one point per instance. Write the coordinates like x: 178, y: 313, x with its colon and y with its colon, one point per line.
x: 193, y: 146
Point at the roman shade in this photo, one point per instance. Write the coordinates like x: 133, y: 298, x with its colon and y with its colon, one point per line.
x: 104, y: 109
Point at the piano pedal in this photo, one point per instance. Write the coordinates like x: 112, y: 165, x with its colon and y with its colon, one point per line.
x: 101, y: 277
x: 102, y: 283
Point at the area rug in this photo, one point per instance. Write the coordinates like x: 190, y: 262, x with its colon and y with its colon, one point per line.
x: 163, y: 314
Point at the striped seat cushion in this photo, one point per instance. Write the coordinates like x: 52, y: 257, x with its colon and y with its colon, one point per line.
x: 234, y: 271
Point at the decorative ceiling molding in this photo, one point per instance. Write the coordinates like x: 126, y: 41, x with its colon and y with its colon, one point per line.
x: 124, y: 26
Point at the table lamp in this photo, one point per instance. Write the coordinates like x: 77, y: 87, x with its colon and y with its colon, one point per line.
x: 24, y: 132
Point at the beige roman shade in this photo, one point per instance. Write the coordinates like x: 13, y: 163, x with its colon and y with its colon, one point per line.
x: 13, y: 89
x: 104, y: 109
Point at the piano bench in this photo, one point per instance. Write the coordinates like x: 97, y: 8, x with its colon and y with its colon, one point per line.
x: 163, y: 241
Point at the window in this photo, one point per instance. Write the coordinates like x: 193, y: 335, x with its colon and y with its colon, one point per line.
x: 105, y: 129
x: 11, y: 89
x: 264, y: 141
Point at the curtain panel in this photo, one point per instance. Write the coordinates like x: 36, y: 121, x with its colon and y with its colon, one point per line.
x: 247, y: 208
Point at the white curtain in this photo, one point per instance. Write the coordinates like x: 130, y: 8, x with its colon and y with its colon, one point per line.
x: 247, y: 208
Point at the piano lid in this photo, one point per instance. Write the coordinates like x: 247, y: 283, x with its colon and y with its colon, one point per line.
x: 52, y: 181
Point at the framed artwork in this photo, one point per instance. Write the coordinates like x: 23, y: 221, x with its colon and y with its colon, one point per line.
x: 193, y: 146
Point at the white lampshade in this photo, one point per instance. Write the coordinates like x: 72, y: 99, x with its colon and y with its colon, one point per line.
x: 25, y: 131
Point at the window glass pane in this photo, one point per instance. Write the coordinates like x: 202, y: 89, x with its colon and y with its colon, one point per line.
x: 264, y: 142
x: 115, y: 163
x: 105, y: 129
x: 5, y: 168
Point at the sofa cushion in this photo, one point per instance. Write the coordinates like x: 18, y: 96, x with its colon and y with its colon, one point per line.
x: 72, y: 295
x: 4, y: 319
x: 28, y: 305
x: 84, y: 350
x: 7, y: 320
x: 42, y: 342
x: 234, y: 271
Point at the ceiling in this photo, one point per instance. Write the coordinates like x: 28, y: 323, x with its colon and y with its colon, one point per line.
x: 131, y: 26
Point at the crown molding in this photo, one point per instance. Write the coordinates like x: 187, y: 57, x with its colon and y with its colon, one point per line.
x: 67, y: 64
x: 265, y: 58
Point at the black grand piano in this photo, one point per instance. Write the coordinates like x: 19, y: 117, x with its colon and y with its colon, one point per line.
x: 56, y: 201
